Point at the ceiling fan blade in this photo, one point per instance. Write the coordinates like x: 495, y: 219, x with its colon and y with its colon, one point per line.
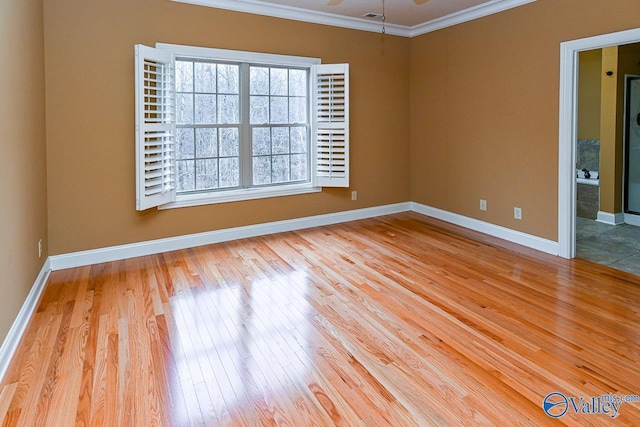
x: 334, y: 2
x: 420, y: 1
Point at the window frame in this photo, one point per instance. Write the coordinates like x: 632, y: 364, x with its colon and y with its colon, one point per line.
x: 222, y: 195
x: 315, y: 183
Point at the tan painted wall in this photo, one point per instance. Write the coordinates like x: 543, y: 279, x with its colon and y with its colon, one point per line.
x: 90, y: 116
x: 484, y: 109
x: 589, y: 78
x: 23, y: 216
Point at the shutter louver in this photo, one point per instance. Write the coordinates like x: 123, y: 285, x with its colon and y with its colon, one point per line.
x: 155, y: 128
x: 332, y: 126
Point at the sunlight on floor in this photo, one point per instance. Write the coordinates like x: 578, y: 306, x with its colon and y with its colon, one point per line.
x: 239, y: 344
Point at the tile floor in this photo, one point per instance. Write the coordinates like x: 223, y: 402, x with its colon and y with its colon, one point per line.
x: 615, y: 246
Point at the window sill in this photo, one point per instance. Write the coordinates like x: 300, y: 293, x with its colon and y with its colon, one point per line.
x: 239, y: 195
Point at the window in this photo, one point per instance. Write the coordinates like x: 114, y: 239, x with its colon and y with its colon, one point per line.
x: 215, y: 125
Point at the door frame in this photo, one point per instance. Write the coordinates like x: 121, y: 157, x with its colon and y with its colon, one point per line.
x: 630, y: 217
x: 568, y: 132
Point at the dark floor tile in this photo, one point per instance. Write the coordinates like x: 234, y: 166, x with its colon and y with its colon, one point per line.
x: 630, y: 264
x: 615, y: 246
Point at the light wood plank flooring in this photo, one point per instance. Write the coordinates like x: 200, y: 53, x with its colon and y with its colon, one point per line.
x: 393, y: 321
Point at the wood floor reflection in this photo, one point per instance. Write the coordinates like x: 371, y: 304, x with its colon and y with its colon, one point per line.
x: 393, y: 321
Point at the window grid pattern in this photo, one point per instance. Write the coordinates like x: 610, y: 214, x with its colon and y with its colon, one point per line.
x: 214, y: 112
x: 279, y: 120
x: 208, y: 125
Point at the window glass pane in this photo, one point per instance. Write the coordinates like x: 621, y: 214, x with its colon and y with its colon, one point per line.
x: 297, y: 110
x: 184, y: 144
x: 184, y: 76
x: 206, y: 142
x: 299, y: 140
x: 280, y: 169
x: 259, y: 110
x: 299, y: 167
x: 229, y: 143
x: 259, y: 81
x: 205, y: 109
x: 261, y: 142
x: 229, y: 111
x: 184, y: 108
x: 208, y: 98
x: 205, y: 77
x: 280, y: 140
x: 206, y: 174
x: 261, y: 170
x: 229, y: 172
x: 278, y: 110
x: 186, y: 175
x: 279, y: 81
x: 228, y: 78
x: 297, y: 83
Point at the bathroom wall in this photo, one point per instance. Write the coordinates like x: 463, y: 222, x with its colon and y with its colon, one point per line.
x: 588, y: 154
x: 588, y: 201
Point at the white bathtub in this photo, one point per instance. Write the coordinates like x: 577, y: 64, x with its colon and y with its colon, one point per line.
x: 588, y: 181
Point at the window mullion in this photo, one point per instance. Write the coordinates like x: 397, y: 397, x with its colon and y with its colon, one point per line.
x: 246, y: 168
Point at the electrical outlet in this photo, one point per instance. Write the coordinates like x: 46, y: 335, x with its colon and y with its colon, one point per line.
x: 483, y: 205
x: 517, y: 213
x: 40, y: 248
x: 354, y: 195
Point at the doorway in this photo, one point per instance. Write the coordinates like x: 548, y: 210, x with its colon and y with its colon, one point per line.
x: 631, y: 183
x: 568, y: 130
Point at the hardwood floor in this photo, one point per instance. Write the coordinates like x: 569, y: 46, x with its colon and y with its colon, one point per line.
x: 399, y: 320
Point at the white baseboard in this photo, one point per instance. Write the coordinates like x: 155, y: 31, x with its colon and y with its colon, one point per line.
x: 632, y: 219
x: 610, y: 218
x: 524, y: 239
x: 11, y: 341
x: 114, y: 253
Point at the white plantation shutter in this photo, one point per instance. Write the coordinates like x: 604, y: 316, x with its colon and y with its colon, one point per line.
x: 155, y: 128
x: 331, y: 151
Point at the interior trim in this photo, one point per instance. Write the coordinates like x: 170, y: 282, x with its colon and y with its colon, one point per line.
x: 568, y: 105
x: 305, y: 15
x: 114, y: 253
x: 479, y: 11
x: 11, y: 341
x: 610, y: 218
x: 514, y: 236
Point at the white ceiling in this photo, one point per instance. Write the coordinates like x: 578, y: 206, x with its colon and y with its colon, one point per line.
x: 403, y: 17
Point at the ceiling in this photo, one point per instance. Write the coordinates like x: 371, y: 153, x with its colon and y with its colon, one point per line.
x: 403, y: 17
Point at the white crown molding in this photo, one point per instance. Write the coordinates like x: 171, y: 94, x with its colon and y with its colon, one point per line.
x: 299, y: 14
x: 480, y: 11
